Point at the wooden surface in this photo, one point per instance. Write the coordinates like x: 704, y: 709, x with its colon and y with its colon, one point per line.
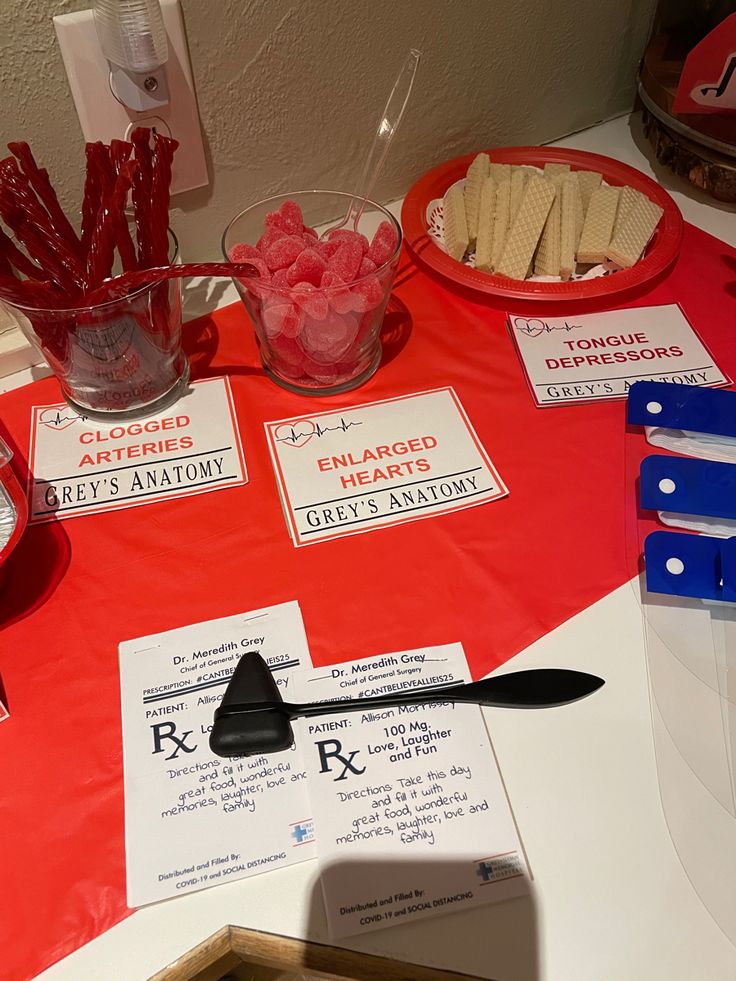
x: 704, y: 168
x: 269, y: 952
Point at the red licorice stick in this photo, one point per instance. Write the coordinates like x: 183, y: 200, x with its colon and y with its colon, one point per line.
x: 39, y: 180
x: 16, y: 185
x: 164, y: 150
x: 19, y: 259
x: 35, y: 243
x: 17, y: 189
x: 5, y: 268
x: 120, y: 152
x: 120, y: 286
x: 141, y: 139
x: 28, y: 294
x: 92, y: 195
x: 102, y: 246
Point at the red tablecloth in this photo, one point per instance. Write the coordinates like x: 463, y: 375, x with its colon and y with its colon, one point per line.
x: 495, y: 577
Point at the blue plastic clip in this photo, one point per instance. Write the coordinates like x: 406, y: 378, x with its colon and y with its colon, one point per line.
x: 668, y: 406
x: 688, y: 486
x: 691, y: 565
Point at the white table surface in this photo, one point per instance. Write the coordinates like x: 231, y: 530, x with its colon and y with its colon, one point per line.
x: 610, y: 900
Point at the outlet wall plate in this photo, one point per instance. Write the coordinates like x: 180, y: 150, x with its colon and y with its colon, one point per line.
x: 102, y: 117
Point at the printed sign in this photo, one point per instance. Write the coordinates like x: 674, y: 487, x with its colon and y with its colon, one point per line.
x: 600, y: 355
x: 79, y: 466
x: 193, y: 819
x: 412, y: 815
x: 708, y: 79
x: 351, y: 470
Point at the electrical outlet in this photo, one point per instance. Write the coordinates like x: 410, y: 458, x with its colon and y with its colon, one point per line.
x: 103, y: 117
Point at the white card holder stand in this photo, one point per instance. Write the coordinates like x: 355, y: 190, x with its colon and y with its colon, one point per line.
x: 691, y: 660
x: 686, y: 586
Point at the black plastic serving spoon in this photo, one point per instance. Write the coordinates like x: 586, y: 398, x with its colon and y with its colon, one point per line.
x: 253, y: 718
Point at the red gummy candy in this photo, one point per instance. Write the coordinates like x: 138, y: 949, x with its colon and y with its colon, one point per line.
x: 338, y: 295
x: 292, y: 220
x: 345, y: 235
x: 271, y: 235
x: 309, y: 234
x: 242, y: 252
x: 281, y: 253
x: 367, y: 266
x: 346, y: 261
x: 326, y: 249
x: 307, y: 268
x: 367, y: 294
x: 279, y: 279
x: 384, y: 244
x: 313, y: 302
x: 288, y: 219
x: 282, y: 318
x: 287, y: 357
x: 327, y: 341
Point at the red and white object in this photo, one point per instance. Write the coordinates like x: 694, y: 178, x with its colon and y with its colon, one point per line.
x: 658, y: 257
x: 13, y: 508
x: 708, y: 80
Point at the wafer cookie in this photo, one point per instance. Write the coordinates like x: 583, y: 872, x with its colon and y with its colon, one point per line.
x: 578, y: 204
x: 631, y: 239
x: 569, y: 195
x: 519, y: 178
x: 553, y: 170
x: 598, y: 225
x: 456, y: 226
x: 500, y: 220
x: 477, y: 173
x: 500, y: 172
x: 547, y: 259
x: 589, y: 181
x: 522, y: 239
x: 484, y: 241
x: 628, y: 199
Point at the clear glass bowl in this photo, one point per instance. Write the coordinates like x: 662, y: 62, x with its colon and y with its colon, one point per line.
x: 120, y: 359
x: 327, y: 340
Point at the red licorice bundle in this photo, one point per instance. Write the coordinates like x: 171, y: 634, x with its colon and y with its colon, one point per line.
x: 36, y: 243
x: 15, y: 258
x: 102, y: 246
x: 120, y: 152
x: 92, y: 194
x: 141, y: 139
x: 46, y: 265
x: 30, y: 222
x: 163, y: 155
x: 39, y: 180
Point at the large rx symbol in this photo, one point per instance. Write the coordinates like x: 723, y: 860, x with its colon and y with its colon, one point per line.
x: 163, y: 731
x: 335, y: 753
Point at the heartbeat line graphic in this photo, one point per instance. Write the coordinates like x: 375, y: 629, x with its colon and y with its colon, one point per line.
x: 533, y: 328
x: 58, y: 419
x: 294, y: 437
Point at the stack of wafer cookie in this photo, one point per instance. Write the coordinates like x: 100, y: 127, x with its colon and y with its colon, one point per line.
x: 520, y: 222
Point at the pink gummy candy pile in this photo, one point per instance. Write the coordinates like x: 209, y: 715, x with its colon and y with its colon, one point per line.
x: 321, y: 303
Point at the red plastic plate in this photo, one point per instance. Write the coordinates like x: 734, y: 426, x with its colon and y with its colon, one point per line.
x: 661, y: 251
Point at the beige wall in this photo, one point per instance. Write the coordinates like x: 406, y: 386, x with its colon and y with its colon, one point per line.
x: 290, y: 89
